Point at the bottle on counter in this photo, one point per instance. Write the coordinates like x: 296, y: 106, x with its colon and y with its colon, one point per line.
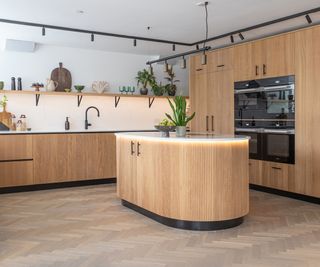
x: 19, y: 126
x: 23, y: 119
x: 13, y: 83
x: 67, y: 124
x: 13, y: 122
x: 19, y: 84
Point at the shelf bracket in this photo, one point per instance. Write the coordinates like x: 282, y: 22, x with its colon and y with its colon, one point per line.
x: 37, y: 99
x: 116, y: 101
x: 79, y: 99
x: 151, y: 100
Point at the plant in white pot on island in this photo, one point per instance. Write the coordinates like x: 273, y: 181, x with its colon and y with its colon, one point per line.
x: 180, y: 118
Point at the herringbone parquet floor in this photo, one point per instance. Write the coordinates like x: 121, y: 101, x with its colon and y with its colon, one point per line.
x: 87, y: 227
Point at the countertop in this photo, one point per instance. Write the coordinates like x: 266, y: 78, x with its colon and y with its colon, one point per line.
x: 190, y: 137
x: 80, y: 131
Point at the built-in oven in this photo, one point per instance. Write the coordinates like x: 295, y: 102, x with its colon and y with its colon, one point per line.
x: 278, y: 146
x: 255, y: 142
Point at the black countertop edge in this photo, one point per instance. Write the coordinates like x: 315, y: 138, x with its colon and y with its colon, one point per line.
x: 183, y: 224
x: 71, y: 132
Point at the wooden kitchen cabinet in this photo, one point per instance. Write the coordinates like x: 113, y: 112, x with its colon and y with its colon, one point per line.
x: 16, y: 173
x: 220, y: 60
x: 307, y: 147
x: 73, y: 157
x: 276, y: 175
x: 15, y: 147
x: 195, y: 66
x: 271, y: 57
x: 255, y: 172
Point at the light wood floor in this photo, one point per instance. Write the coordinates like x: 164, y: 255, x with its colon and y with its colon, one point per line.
x: 87, y: 226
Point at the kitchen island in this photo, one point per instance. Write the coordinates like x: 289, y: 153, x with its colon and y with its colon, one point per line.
x: 199, y: 182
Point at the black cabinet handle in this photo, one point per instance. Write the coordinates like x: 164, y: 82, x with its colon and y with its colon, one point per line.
x: 212, y: 123
x: 207, y: 123
x: 257, y: 70
x: 138, y: 149
x: 276, y: 168
x: 198, y: 69
x: 132, y: 147
x: 264, y: 69
x: 220, y: 66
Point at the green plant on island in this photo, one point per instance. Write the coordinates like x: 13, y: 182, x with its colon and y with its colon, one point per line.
x: 179, y: 109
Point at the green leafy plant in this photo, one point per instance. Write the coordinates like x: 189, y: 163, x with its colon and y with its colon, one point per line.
x: 158, y: 89
x: 179, y: 109
x: 145, y: 78
x: 3, y: 102
x: 171, y: 87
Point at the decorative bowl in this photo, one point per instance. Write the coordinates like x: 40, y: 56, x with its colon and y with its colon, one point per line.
x: 68, y: 90
x: 164, y: 130
x: 79, y: 88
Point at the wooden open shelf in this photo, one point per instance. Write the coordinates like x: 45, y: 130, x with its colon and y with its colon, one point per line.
x: 79, y: 96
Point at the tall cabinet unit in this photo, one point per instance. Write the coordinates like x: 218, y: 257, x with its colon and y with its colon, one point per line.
x: 211, y: 93
x: 307, y: 167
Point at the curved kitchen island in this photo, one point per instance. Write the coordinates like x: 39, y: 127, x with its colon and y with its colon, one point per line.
x: 199, y: 182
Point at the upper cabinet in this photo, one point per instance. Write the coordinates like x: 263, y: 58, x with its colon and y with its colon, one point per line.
x: 196, y: 66
x: 271, y: 57
x: 220, y: 60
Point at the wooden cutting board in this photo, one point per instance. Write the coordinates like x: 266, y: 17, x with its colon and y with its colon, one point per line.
x: 63, y: 77
x: 5, y: 118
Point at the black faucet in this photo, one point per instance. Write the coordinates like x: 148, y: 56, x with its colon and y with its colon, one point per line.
x: 86, y: 123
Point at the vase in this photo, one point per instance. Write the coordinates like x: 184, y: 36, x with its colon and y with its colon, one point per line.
x: 181, y: 131
x: 144, y: 91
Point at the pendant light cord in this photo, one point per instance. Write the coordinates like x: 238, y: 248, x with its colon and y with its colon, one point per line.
x: 207, y: 24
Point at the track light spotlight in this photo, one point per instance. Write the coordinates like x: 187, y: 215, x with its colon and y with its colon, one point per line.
x: 197, y: 47
x: 308, y: 18
x: 135, y: 42
x: 166, y: 67
x: 241, y: 36
x: 151, y: 69
x: 43, y: 31
x: 183, y: 63
x: 92, y: 37
x: 231, y: 39
x: 204, y: 59
x: 173, y: 47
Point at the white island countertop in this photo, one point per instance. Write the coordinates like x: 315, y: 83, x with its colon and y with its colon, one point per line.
x: 190, y: 137
x: 76, y: 131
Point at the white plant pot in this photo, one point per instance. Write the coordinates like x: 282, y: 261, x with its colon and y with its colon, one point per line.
x: 181, y: 131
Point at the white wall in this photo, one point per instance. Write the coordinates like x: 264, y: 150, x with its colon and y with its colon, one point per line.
x: 85, y: 66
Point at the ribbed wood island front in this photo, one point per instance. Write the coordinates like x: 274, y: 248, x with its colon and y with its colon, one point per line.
x: 200, y: 182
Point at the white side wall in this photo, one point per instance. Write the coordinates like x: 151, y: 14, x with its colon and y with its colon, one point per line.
x: 85, y: 66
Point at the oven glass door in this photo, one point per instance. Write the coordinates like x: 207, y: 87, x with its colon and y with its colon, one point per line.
x: 248, y: 105
x: 255, y: 144
x: 278, y: 147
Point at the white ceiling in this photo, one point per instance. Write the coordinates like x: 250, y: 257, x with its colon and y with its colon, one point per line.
x: 177, y: 20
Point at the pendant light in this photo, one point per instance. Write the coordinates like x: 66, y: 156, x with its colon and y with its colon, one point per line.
x: 151, y: 69
x: 308, y: 18
x: 204, y: 56
x: 204, y: 59
x: 166, y: 67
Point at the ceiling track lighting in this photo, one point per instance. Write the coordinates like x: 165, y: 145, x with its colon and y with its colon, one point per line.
x: 135, y: 42
x: 92, y: 37
x: 183, y: 63
x: 173, y: 47
x: 166, y: 66
x: 151, y: 69
x: 308, y: 18
x: 43, y: 31
x: 204, y: 58
x: 241, y: 36
x: 231, y: 38
x: 197, y: 47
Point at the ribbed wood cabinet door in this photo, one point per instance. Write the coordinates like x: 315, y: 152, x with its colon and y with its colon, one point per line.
x: 307, y: 149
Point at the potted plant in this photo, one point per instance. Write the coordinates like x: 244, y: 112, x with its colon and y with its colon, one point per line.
x: 144, y: 78
x: 180, y: 117
x: 158, y: 89
x: 171, y: 87
x: 3, y: 103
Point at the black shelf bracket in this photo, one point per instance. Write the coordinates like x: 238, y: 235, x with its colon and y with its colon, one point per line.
x: 79, y: 99
x: 37, y: 99
x: 116, y: 101
x: 151, y: 100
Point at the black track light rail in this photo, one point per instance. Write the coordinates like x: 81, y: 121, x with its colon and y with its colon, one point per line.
x: 204, y: 49
x: 46, y: 26
x: 174, y: 43
x: 261, y: 25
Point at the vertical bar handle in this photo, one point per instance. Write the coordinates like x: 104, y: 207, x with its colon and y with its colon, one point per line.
x: 138, y: 149
x: 257, y: 70
x: 132, y: 147
x: 207, y: 123
x: 264, y: 69
x: 212, y: 123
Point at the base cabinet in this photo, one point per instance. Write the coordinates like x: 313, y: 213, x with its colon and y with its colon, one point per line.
x: 16, y: 173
